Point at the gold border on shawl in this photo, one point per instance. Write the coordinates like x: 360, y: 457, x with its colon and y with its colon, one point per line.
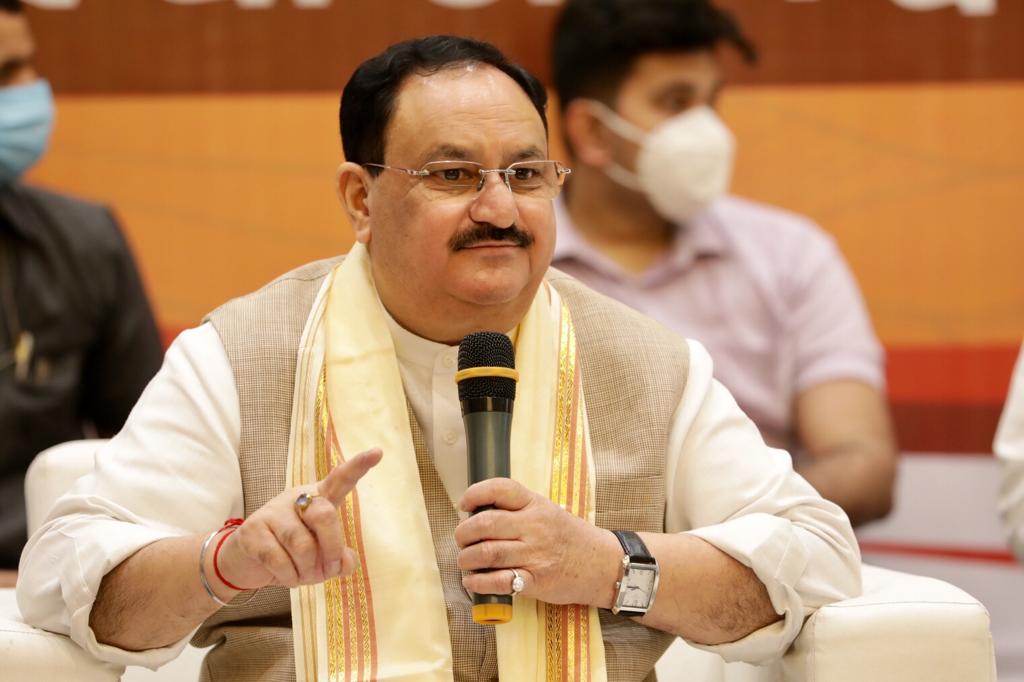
x: 553, y: 642
x: 571, y: 641
x: 300, y: 475
x: 567, y: 628
x: 308, y: 601
x: 368, y: 638
x: 352, y: 596
x: 322, y: 463
x: 351, y: 651
x: 360, y: 650
x: 584, y: 512
x: 575, y: 446
x: 338, y: 644
x: 584, y: 643
x: 583, y: 612
x: 563, y: 415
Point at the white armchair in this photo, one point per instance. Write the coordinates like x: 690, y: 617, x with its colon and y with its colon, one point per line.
x: 903, y: 628
x: 29, y: 653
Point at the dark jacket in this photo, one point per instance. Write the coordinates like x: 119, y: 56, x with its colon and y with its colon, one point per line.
x: 70, y: 293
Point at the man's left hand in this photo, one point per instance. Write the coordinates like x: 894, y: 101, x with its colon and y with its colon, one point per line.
x: 562, y: 558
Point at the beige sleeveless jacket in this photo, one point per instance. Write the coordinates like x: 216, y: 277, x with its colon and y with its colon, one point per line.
x: 634, y: 372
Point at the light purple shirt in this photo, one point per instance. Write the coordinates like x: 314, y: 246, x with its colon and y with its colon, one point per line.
x: 766, y: 291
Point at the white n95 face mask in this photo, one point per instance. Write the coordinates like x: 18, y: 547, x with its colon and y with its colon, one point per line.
x: 26, y: 117
x: 683, y: 164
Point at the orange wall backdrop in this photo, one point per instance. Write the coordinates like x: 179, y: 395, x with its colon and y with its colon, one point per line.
x: 212, y: 131
x: 922, y: 186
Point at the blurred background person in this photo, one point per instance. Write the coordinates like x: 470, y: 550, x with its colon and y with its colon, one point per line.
x: 1009, y: 448
x: 646, y: 219
x: 77, y: 339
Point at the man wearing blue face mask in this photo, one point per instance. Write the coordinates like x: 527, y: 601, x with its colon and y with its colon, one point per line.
x: 646, y: 219
x: 77, y: 339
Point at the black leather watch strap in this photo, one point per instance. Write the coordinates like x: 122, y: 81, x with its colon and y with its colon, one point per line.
x: 634, y: 547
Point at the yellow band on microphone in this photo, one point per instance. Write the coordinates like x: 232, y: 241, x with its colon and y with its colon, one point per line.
x: 477, y: 372
x: 492, y: 614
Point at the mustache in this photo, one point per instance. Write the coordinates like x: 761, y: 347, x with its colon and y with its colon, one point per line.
x: 487, y: 232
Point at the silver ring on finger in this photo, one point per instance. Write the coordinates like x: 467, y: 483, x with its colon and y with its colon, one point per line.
x: 518, y: 583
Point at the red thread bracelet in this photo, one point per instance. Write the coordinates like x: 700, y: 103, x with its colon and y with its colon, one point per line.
x: 231, y: 525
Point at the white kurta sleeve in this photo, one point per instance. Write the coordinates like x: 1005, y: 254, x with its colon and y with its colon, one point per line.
x: 727, y: 487
x: 1009, y: 448
x: 171, y: 471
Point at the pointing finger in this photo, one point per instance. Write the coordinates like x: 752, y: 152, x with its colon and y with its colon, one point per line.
x: 342, y: 478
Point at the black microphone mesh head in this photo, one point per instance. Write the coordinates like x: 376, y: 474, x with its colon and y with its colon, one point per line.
x: 487, y: 349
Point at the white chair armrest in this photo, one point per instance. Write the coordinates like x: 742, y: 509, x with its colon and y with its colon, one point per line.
x: 27, y: 653
x: 52, y: 473
x: 904, y: 627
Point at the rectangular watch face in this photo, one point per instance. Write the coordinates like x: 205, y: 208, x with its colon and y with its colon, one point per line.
x: 639, y: 587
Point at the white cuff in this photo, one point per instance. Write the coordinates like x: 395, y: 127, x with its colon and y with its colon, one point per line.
x: 121, y: 540
x: 768, y: 546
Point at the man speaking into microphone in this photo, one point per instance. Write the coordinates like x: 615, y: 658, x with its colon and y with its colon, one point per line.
x: 305, y: 445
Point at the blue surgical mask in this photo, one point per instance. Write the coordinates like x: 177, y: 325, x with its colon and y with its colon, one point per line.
x: 26, y: 118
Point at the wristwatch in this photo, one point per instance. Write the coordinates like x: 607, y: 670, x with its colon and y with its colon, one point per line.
x: 639, y: 581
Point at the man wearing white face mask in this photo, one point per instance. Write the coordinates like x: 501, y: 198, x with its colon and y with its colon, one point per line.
x: 77, y: 339
x: 646, y: 219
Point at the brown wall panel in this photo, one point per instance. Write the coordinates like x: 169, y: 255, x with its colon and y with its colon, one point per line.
x: 156, y: 46
x: 821, y: 41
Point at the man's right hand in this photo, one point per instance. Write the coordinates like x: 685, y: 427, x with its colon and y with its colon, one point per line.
x: 278, y: 545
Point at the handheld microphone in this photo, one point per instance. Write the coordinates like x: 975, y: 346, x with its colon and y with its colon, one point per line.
x: 487, y: 388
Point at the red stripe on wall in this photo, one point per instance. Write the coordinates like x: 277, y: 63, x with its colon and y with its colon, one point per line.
x: 949, y: 398
x: 948, y: 375
x: 975, y: 554
x: 962, y: 429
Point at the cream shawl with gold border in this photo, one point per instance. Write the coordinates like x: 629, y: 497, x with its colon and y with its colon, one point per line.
x: 388, y: 620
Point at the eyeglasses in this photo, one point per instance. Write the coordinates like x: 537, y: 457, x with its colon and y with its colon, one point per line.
x: 539, y: 179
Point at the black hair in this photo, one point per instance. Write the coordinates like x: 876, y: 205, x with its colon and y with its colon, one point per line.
x: 596, y: 41
x: 11, y: 6
x: 368, y: 100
